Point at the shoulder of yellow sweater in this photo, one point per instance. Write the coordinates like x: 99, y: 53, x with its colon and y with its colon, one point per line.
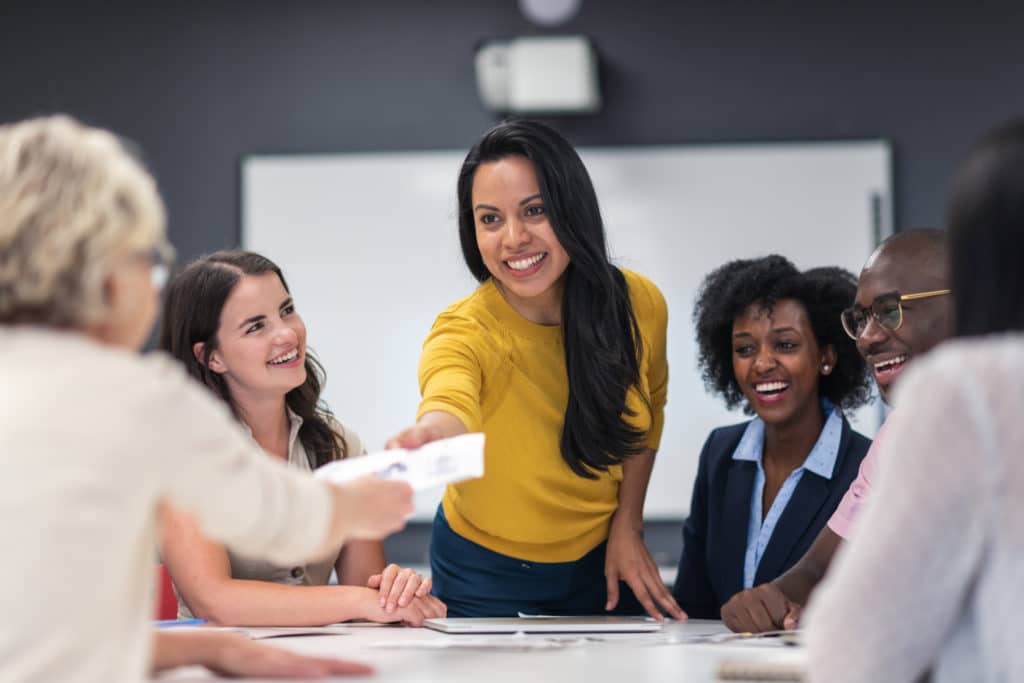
x: 472, y: 312
x: 649, y: 304
x: 642, y: 285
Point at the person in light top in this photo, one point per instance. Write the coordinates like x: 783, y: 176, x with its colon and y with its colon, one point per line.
x: 929, y: 585
x: 231, y: 321
x: 95, y: 439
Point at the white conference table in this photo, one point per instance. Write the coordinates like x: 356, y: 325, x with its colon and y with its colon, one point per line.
x: 599, y: 658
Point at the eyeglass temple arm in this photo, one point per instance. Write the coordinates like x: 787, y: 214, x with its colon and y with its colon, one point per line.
x: 923, y: 295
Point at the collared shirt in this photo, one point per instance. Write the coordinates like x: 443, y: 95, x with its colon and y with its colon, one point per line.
x: 845, y: 516
x: 821, y: 461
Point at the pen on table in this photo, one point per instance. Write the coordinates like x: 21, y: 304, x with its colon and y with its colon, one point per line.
x: 171, y: 623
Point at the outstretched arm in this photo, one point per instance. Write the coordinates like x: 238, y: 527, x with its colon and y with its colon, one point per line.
x: 202, y: 574
x: 230, y: 654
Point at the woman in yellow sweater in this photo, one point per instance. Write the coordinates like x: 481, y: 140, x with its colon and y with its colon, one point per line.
x: 559, y: 358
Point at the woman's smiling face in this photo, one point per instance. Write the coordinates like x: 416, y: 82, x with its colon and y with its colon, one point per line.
x: 261, y: 345
x: 777, y: 361
x: 515, y: 237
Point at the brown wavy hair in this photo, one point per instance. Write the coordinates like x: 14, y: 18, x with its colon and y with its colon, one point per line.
x: 191, y: 314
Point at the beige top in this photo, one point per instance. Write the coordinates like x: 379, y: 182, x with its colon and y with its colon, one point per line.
x: 295, y: 574
x: 92, y: 439
x: 931, y: 578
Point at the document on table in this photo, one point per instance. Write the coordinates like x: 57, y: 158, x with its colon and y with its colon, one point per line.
x: 437, y: 463
x: 265, y: 632
x: 516, y: 642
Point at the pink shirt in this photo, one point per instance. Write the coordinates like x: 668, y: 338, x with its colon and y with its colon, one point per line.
x: 842, y: 520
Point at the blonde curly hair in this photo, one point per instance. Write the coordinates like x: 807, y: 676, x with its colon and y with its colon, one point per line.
x: 72, y: 201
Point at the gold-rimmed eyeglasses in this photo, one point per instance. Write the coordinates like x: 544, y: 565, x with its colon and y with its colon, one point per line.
x: 887, y: 309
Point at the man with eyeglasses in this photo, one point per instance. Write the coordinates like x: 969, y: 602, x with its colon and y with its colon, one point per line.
x: 902, y: 309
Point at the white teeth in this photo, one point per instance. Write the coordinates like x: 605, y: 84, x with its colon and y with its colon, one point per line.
x: 770, y: 386
x: 525, y: 263
x: 290, y: 356
x: 891, y: 362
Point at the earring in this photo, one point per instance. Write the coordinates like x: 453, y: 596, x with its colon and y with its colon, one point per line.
x: 825, y: 369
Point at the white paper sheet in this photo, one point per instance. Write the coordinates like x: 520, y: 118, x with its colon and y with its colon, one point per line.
x: 509, y: 642
x: 437, y: 463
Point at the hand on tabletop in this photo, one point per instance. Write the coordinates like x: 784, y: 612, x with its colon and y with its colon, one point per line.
x: 398, y: 586
x: 761, y: 608
x: 628, y: 560
x: 413, y: 614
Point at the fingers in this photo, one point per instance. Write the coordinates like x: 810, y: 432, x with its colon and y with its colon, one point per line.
x: 411, y: 589
x: 340, y: 667
x: 792, y: 619
x: 237, y: 656
x: 433, y: 608
x: 665, y: 599
x: 612, y: 577
x: 412, y: 615
x: 424, y: 588
x: 759, y: 609
x: 762, y: 608
x: 289, y: 665
x: 734, y: 614
x: 643, y: 596
x: 651, y: 592
x: 397, y: 588
x: 412, y: 437
x: 402, y: 439
x: 427, y: 607
x: 775, y: 603
x: 374, y: 581
x: 758, y: 617
x: 387, y: 581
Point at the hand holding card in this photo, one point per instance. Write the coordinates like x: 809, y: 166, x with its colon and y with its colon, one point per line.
x: 445, y: 461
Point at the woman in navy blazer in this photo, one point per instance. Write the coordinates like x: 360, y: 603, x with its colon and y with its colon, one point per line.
x: 770, y: 339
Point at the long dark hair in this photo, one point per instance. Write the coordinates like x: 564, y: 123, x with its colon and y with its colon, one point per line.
x: 601, y: 335
x: 194, y: 301
x: 986, y: 221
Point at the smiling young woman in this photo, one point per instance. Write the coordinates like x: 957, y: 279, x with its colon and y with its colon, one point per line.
x: 559, y: 358
x: 231, y: 321
x: 771, y: 339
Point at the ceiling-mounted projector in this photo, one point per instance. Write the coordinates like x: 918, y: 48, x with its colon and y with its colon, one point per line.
x: 538, y: 75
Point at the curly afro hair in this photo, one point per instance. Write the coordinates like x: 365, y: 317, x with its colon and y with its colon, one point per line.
x: 824, y: 292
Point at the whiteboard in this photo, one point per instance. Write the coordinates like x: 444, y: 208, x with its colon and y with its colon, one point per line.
x: 369, y: 246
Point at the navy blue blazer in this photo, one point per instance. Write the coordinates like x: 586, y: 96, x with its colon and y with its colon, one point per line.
x: 715, y: 533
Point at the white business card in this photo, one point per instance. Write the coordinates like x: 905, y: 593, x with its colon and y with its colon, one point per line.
x: 445, y: 461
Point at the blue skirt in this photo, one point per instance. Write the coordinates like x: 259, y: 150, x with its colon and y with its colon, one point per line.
x: 476, y: 582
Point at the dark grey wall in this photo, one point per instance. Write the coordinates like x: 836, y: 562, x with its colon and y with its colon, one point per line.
x: 200, y: 84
